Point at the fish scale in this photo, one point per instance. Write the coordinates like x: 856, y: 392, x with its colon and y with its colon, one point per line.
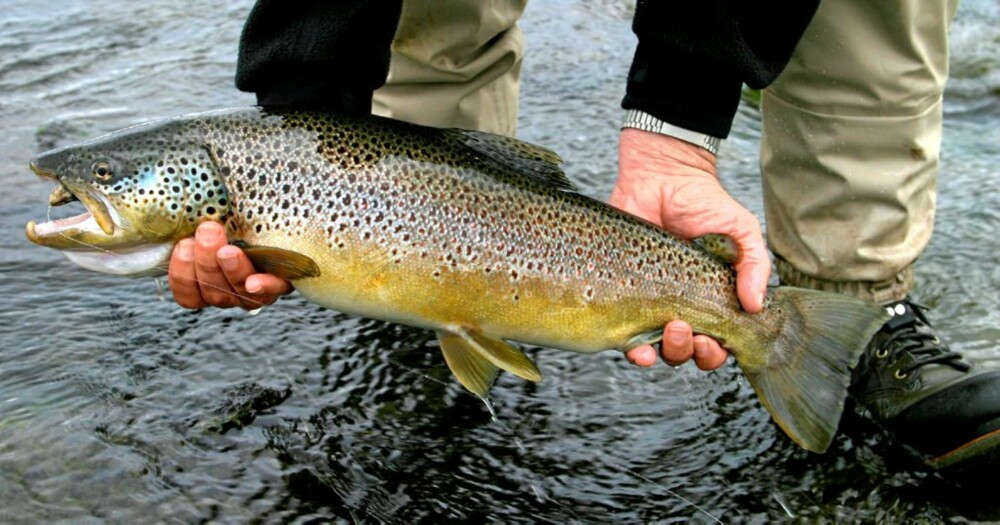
x: 476, y: 236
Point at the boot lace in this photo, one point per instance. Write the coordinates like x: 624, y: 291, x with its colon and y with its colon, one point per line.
x: 909, y: 332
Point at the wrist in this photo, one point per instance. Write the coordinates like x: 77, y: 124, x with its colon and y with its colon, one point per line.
x: 638, y: 119
x: 645, y: 151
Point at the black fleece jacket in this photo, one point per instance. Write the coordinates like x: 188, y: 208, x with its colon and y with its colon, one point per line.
x: 688, y: 69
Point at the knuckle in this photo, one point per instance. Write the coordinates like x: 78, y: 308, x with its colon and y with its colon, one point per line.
x: 264, y: 300
x: 206, y: 268
x: 219, y: 299
x: 188, y: 302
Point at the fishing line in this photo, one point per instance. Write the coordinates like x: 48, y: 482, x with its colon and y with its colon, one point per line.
x: 48, y: 215
x: 665, y: 488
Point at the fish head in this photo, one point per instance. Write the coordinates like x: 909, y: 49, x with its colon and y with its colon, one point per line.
x: 144, y: 189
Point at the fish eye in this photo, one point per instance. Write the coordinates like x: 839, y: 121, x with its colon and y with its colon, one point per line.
x: 102, y: 170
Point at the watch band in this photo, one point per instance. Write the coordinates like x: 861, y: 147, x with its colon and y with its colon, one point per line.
x: 638, y: 119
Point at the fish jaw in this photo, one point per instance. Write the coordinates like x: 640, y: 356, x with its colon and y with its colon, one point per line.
x: 100, y: 227
x: 70, y: 237
x: 141, y: 261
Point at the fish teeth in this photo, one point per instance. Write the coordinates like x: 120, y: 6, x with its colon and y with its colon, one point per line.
x: 60, y: 195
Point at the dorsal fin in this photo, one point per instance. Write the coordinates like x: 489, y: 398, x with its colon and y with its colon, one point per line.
x: 541, y: 164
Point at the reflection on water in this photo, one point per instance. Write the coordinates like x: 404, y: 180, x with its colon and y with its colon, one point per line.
x: 116, y: 405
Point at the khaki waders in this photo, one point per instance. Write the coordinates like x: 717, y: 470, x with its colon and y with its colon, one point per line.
x: 850, y: 146
x: 456, y: 64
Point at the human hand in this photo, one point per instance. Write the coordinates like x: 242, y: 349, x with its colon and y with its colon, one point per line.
x: 672, y: 183
x: 208, y: 271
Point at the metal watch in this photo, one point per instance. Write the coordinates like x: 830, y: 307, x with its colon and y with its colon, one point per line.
x: 638, y: 119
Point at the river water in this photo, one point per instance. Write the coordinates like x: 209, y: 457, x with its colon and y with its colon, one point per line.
x: 117, y: 405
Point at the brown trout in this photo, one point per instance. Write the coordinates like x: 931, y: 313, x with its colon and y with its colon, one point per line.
x: 476, y: 236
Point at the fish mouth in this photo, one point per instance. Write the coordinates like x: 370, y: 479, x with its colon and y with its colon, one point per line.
x: 63, y: 233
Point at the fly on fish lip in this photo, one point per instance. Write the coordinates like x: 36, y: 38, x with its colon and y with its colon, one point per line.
x: 60, y: 195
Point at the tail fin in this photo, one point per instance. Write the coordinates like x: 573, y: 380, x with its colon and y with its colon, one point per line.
x: 805, y: 376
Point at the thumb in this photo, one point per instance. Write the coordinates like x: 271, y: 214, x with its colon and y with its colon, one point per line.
x: 753, y: 268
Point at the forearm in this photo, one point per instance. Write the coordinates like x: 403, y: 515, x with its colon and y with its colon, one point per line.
x: 692, y: 58
x: 321, y: 54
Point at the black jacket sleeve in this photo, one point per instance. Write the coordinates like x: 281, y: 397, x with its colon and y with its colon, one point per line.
x: 693, y: 57
x: 319, y: 54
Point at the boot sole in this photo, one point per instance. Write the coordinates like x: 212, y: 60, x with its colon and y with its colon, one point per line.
x: 984, y: 450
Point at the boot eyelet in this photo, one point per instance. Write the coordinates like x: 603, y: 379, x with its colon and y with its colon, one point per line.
x: 882, y: 353
x: 900, y: 375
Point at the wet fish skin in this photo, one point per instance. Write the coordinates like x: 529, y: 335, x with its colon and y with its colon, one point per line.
x: 475, y: 236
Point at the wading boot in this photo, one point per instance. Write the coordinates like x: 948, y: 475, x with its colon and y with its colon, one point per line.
x: 928, y: 397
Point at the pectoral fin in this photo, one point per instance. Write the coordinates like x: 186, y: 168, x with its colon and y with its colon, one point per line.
x: 283, y: 263
x: 474, y: 359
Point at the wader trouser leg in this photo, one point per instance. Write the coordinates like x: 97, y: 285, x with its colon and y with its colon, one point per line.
x: 456, y: 64
x: 850, y: 146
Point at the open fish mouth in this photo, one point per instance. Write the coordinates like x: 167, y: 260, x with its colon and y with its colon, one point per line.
x: 61, y: 233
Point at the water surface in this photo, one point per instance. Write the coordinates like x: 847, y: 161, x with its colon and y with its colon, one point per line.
x: 117, y: 405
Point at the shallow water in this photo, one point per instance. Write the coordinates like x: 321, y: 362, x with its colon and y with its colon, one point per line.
x: 117, y: 405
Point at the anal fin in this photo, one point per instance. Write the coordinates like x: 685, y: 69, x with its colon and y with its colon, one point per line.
x: 644, y: 338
